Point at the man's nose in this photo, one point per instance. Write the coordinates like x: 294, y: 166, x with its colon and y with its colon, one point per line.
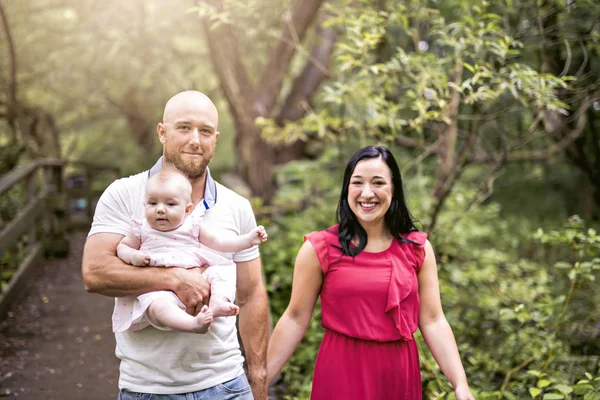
x: 195, y: 137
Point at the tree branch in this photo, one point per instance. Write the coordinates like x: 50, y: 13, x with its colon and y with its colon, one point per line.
x: 568, y: 62
x: 308, y: 82
x: 447, y: 155
x: 456, y: 171
x: 225, y: 53
x: 585, y: 58
x: 12, y: 107
x: 554, y: 148
x: 483, y: 193
x: 293, y: 32
x: 406, y: 141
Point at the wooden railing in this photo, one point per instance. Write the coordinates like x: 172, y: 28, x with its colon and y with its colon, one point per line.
x: 42, y: 187
x: 44, y: 218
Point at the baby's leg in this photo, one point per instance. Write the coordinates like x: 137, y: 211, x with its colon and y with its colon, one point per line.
x: 165, y: 312
x: 222, y: 307
x: 222, y: 287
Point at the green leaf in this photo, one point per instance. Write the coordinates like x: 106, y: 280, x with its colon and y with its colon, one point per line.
x: 534, y: 392
x: 543, y: 383
x: 509, y: 396
x: 491, y: 16
x: 564, y: 389
x: 563, y: 265
x: 553, y: 396
x: 469, y: 67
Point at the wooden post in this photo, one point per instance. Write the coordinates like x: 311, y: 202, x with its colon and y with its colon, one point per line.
x: 56, y: 243
x: 32, y: 194
x: 90, y: 175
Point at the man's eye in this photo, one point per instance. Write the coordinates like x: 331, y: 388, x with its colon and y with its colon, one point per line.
x: 184, y: 127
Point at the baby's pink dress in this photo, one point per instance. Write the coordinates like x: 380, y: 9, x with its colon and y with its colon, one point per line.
x: 370, y: 310
x: 176, y: 248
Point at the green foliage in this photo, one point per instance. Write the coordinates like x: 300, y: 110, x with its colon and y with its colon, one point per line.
x: 397, y: 67
x: 512, y: 315
x: 520, y: 323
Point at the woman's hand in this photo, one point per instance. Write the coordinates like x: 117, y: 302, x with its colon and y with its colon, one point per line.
x: 462, y: 392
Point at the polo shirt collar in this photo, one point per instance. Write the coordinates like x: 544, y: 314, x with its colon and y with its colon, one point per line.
x: 210, y: 190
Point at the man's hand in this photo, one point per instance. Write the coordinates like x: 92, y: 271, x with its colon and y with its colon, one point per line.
x: 140, y: 258
x: 191, y: 288
x: 258, y: 382
x: 258, y: 235
x: 253, y: 323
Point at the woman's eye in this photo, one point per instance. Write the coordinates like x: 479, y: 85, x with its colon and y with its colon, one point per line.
x: 356, y: 183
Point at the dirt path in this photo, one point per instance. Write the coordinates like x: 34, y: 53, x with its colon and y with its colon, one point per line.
x: 56, y: 343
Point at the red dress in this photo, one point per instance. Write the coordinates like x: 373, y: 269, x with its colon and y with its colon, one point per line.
x: 370, y: 310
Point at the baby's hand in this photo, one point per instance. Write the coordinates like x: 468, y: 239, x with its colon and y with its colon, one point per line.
x: 258, y: 235
x: 141, y: 258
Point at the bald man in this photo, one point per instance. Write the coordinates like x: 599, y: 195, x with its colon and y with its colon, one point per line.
x: 168, y: 363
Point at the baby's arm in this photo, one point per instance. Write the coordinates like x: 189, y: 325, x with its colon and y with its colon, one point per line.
x: 219, y: 241
x: 128, y: 251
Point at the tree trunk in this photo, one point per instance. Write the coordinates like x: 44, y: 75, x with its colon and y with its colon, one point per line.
x: 255, y: 157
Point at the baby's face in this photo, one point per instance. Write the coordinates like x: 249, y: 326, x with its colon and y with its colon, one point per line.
x: 165, y: 206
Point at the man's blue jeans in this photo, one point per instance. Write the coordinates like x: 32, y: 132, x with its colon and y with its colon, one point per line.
x: 235, y: 389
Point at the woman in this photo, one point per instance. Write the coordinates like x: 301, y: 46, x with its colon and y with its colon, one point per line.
x: 377, y: 278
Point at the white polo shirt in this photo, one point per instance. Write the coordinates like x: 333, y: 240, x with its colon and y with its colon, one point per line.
x: 169, y: 362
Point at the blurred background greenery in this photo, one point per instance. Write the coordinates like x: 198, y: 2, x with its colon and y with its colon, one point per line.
x: 491, y: 107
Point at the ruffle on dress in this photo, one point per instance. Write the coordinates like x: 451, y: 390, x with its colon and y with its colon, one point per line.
x: 399, y: 288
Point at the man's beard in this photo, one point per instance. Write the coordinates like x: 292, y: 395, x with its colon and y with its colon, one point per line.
x: 192, y: 170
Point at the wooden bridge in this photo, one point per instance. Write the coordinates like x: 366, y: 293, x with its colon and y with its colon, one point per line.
x: 55, y: 338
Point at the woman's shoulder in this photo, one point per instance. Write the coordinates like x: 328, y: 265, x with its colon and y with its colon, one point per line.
x: 324, y: 243
x: 414, y: 247
x: 328, y: 235
x: 417, y: 238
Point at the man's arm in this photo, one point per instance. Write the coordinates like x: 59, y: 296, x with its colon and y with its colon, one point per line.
x: 104, y: 273
x: 254, y: 323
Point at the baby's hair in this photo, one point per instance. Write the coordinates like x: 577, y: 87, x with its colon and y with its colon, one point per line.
x: 172, y: 176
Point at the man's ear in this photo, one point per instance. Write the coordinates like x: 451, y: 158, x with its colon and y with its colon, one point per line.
x: 189, y: 208
x: 162, y: 132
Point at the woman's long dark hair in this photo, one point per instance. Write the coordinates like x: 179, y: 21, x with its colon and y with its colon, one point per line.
x: 398, y: 219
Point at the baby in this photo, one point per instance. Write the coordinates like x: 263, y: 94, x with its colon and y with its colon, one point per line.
x: 169, y: 236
